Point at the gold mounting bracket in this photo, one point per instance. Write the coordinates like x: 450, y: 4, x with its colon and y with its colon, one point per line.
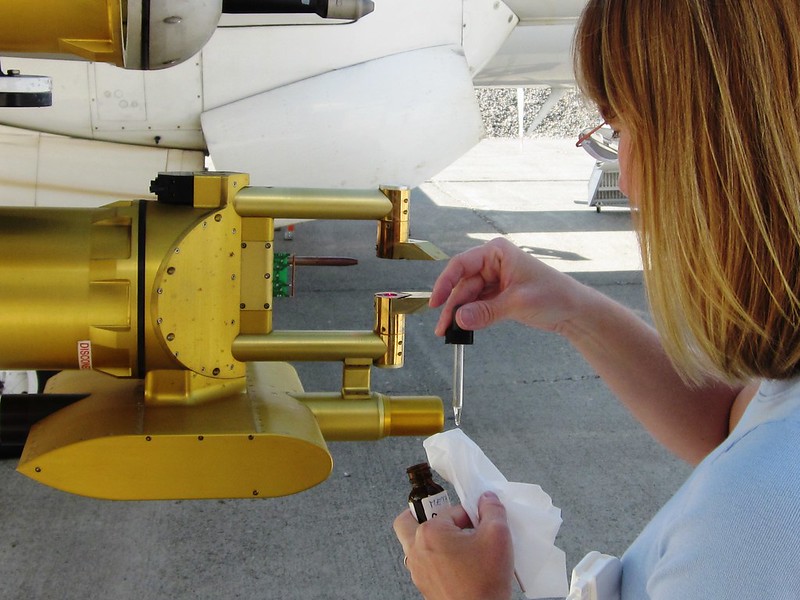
x: 393, y: 240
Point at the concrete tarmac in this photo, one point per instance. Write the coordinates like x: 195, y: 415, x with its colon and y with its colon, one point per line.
x: 531, y: 403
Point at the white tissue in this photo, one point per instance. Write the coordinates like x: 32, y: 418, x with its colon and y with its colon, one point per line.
x: 541, y: 568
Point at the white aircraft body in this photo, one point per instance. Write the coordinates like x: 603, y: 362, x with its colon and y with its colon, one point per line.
x: 293, y: 100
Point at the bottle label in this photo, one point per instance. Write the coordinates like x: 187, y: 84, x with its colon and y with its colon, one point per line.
x: 430, y: 506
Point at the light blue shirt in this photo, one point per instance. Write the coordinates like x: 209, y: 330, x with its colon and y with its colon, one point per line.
x: 732, y: 531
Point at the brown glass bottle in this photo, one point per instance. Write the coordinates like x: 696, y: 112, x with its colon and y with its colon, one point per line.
x: 427, y: 497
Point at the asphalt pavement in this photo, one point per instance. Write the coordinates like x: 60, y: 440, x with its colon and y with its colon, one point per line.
x: 531, y: 403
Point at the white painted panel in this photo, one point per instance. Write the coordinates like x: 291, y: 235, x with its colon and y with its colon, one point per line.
x: 546, y: 11
x: 85, y: 173
x: 242, y: 61
x: 395, y: 120
x: 103, y: 102
x: 532, y: 55
x: 18, y: 162
x: 174, y: 95
x: 118, y: 95
x: 46, y: 170
x: 136, y: 106
x: 71, y: 110
x: 184, y: 160
x: 487, y: 24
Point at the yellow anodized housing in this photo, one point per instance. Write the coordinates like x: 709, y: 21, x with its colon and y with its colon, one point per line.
x: 87, y: 29
x: 159, y: 314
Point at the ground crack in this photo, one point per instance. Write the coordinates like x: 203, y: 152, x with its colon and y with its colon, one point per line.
x: 560, y: 379
x: 486, y: 219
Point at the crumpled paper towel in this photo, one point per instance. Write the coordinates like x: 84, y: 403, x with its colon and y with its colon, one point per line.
x: 540, y: 567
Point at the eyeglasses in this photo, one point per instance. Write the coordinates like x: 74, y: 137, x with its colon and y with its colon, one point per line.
x: 586, y: 135
x: 600, y: 142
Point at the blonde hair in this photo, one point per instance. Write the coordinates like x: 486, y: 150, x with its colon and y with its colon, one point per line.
x: 709, y: 91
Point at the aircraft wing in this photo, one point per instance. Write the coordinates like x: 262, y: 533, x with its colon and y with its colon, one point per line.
x: 296, y: 101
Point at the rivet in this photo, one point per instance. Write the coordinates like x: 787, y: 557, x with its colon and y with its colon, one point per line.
x: 38, y: 469
x: 171, y: 270
x: 170, y: 337
x: 215, y: 372
x: 218, y: 217
x: 199, y: 438
x: 173, y: 20
x: 255, y: 492
x: 242, y: 306
x: 148, y: 439
x: 159, y: 291
x: 267, y: 275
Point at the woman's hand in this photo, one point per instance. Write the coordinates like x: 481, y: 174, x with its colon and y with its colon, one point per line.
x: 448, y: 559
x: 499, y: 281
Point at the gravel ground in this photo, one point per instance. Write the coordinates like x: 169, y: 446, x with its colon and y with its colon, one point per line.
x: 572, y: 114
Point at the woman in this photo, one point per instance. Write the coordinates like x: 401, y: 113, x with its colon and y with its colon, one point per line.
x: 705, y: 98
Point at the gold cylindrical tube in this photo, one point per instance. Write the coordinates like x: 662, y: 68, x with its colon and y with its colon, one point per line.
x: 375, y: 416
x: 91, y: 29
x: 310, y: 203
x: 308, y: 346
x: 70, y: 287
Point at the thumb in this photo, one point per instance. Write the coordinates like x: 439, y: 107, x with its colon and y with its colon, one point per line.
x: 490, y: 509
x: 477, y: 315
